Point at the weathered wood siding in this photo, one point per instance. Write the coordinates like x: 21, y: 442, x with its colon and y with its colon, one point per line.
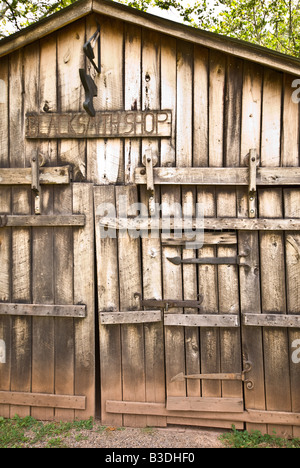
x: 222, y: 106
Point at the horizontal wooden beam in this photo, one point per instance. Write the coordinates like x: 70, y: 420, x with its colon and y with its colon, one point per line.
x: 47, y: 176
x: 240, y: 224
x: 222, y: 404
x: 139, y: 316
x: 41, y: 221
x: 271, y: 320
x: 220, y: 176
x: 199, y: 320
x: 159, y: 409
x: 43, y: 400
x: 41, y: 310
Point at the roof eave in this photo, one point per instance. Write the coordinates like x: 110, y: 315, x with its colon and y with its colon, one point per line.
x: 235, y: 47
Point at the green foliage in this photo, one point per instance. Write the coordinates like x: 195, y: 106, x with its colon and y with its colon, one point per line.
x: 17, y: 14
x: 255, y: 439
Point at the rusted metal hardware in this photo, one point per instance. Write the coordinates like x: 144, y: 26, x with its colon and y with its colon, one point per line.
x: 220, y: 376
x: 35, y: 183
x: 91, y: 91
x: 252, y: 182
x: 89, y: 46
x: 168, y: 303
x: 212, y: 260
x: 87, y: 81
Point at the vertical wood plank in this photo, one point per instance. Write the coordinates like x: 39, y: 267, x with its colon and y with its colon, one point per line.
x: 5, y: 234
x: 133, y: 357
x: 250, y: 301
x: 184, y: 123
x: 70, y: 59
x: 151, y: 250
x: 132, y: 98
x: 250, y: 297
x: 154, y: 332
x: 190, y: 291
x: 4, y: 90
x: 84, y: 293
x: 168, y: 96
x: 108, y: 299
x: 251, y: 109
x: 292, y: 246
x: 201, y: 107
x: 21, y: 204
x: 150, y: 81
x: 172, y: 289
x: 290, y: 125
x: 276, y: 358
x: 228, y: 285
x: 48, y: 91
x: 105, y: 156
x: 216, y: 107
x: 208, y: 288
x: 233, y: 107
x: 63, y: 294
x: 43, y: 354
x: 271, y: 118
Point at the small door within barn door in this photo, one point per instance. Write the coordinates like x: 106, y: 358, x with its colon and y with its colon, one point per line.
x: 204, y: 369
x: 46, y: 297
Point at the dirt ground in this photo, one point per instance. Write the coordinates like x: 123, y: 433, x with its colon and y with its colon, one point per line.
x: 171, y: 437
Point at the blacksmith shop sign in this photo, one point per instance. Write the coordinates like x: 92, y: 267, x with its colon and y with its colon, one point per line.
x: 114, y: 124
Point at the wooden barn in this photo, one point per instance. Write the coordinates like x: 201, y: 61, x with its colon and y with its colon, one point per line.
x: 118, y: 128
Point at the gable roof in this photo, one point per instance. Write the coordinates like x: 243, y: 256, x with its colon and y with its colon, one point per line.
x: 81, y: 8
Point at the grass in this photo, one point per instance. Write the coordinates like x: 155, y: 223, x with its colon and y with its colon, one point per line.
x: 255, y: 439
x: 28, y: 432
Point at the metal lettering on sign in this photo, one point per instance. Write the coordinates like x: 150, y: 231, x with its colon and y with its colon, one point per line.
x: 114, y: 124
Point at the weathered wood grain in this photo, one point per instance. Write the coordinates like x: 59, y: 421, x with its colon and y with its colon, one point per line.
x: 43, y: 310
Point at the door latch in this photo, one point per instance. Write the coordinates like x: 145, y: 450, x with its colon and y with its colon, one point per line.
x: 213, y: 260
x: 219, y: 376
x: 149, y: 161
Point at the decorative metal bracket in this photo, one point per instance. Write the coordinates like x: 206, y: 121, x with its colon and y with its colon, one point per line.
x: 91, y: 91
x: 149, y: 161
x: 88, y: 83
x: 252, y: 183
x: 37, y: 161
x: 89, y: 46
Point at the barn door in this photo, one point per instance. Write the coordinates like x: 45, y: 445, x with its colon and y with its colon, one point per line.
x: 46, y: 296
x: 170, y: 338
